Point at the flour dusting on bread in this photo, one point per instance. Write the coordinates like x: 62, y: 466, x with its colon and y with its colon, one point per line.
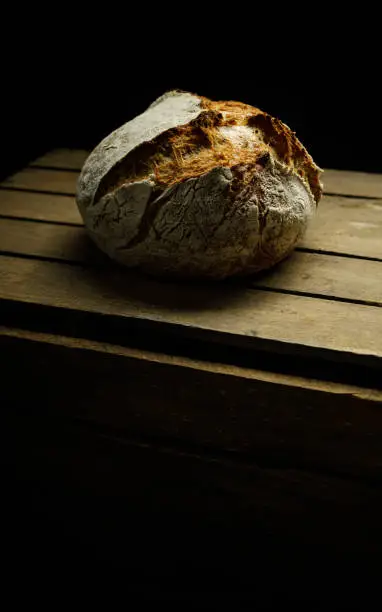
x: 195, y: 188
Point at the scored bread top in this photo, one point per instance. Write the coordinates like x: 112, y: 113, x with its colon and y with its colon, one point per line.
x: 168, y: 111
x: 181, y: 136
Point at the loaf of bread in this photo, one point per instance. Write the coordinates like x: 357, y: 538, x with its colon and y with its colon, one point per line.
x: 196, y: 188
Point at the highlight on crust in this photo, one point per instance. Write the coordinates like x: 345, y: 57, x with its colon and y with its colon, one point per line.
x: 194, y: 187
x: 211, y: 140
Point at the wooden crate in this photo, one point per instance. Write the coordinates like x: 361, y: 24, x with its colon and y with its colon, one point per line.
x: 255, y: 402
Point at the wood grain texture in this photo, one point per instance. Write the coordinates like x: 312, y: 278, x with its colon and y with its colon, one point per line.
x: 342, y: 225
x: 349, y: 183
x: 327, y: 276
x: 347, y: 225
x: 47, y: 240
x: 308, y: 273
x: 283, y: 323
x: 39, y: 179
x: 175, y: 435
x: 71, y: 159
x: 269, y: 418
x: 80, y: 344
x: 341, y: 182
x: 39, y: 206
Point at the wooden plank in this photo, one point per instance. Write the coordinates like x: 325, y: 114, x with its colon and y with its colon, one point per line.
x: 342, y: 225
x: 62, y: 159
x: 307, y: 273
x: 327, y: 276
x: 347, y: 225
x: 257, y: 320
x: 49, y: 241
x: 349, y: 183
x: 38, y: 179
x: 273, y: 419
x: 182, y: 493
x: 169, y: 521
x: 338, y: 182
x: 178, y: 491
x: 39, y: 206
x: 78, y: 347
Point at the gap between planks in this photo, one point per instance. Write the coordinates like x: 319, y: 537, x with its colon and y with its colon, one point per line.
x: 339, y: 182
x: 83, y: 344
x: 271, y: 418
x: 249, y: 319
x: 304, y: 273
x: 64, y: 182
x: 348, y: 226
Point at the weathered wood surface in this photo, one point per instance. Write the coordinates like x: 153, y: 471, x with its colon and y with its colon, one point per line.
x: 362, y: 184
x: 277, y: 322
x: 70, y: 159
x: 310, y: 304
x: 273, y: 419
x: 348, y: 226
x: 310, y: 273
x: 39, y: 207
x: 254, y: 403
x: 39, y: 179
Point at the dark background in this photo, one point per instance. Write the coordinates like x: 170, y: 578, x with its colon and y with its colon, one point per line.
x: 75, y: 100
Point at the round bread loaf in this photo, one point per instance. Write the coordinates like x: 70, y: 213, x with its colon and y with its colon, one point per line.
x: 194, y: 188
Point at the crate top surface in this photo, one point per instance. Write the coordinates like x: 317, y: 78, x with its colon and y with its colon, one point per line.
x: 324, y: 302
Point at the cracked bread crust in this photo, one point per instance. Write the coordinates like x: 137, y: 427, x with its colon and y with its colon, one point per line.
x: 195, y: 188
